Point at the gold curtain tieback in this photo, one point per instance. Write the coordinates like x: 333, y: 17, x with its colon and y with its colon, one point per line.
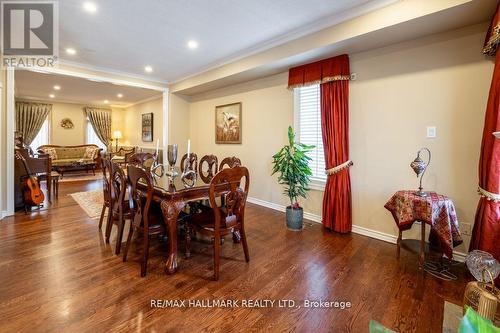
x: 338, y: 168
x: 488, y: 195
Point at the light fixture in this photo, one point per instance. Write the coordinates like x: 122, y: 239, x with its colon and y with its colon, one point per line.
x: 419, y: 166
x: 117, y: 135
x: 70, y: 51
x: 90, y: 7
x: 106, y: 101
x: 56, y: 87
x: 192, y: 44
x: 119, y: 95
x: 52, y: 96
x: 148, y: 69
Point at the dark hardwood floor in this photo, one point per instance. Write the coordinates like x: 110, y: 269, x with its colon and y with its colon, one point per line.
x: 58, y: 275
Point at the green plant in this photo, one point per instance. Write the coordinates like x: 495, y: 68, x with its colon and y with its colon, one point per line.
x: 292, y: 165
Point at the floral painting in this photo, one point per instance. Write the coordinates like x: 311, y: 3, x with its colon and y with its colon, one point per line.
x: 228, y: 123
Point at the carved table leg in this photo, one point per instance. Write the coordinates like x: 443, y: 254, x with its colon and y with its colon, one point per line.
x: 171, y: 210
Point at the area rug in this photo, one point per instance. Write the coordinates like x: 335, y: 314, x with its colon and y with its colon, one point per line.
x: 91, y: 202
x: 77, y: 177
x: 451, y: 317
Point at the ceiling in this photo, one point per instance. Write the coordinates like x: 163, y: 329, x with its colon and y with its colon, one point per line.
x: 125, y: 36
x: 38, y: 86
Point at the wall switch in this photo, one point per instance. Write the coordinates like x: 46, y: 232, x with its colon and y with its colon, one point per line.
x: 354, y: 76
x: 431, y: 131
x: 466, y: 229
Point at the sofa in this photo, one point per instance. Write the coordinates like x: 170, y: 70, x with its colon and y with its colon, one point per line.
x: 70, y: 158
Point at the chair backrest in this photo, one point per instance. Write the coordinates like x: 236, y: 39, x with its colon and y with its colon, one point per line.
x: 193, y: 162
x: 144, y: 160
x: 212, y: 168
x: 230, y: 162
x: 140, y: 187
x: 118, y: 182
x: 228, y: 183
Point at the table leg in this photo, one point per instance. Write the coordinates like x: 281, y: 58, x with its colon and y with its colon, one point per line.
x: 400, y: 238
x: 171, y: 210
x: 422, y: 245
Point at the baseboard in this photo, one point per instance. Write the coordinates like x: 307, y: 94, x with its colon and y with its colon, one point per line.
x: 458, y: 256
x: 3, y: 213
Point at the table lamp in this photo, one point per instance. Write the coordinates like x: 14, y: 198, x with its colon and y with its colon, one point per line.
x: 117, y: 135
x: 419, y: 166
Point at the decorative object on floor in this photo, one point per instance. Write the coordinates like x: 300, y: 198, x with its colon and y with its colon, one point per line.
x: 172, y: 159
x: 90, y: 201
x: 228, y: 123
x: 477, y: 261
x: 291, y: 164
x: 66, y: 123
x: 473, y: 322
x: 434, y: 209
x: 117, y: 135
x: 147, y: 127
x: 419, y: 166
x: 486, y: 231
x: 484, y: 298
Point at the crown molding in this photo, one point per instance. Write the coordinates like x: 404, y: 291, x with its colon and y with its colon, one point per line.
x: 149, y: 99
x: 56, y: 100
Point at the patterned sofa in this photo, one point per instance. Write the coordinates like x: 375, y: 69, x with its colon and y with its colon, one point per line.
x: 67, y: 158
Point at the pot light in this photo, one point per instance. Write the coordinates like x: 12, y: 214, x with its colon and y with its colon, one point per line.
x: 192, y: 44
x: 119, y: 95
x: 56, y: 87
x: 106, y: 101
x: 148, y: 69
x: 89, y: 7
x: 70, y: 51
x: 52, y: 96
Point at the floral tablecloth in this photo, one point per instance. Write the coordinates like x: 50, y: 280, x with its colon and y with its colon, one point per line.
x: 435, y: 209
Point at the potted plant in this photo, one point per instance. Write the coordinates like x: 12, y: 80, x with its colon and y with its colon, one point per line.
x: 292, y: 165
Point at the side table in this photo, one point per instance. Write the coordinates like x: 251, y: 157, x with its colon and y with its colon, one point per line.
x: 55, y: 183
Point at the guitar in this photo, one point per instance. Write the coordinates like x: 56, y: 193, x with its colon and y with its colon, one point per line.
x: 33, y: 195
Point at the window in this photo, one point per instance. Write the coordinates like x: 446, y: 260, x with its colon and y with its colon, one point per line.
x: 42, y: 138
x: 308, y: 128
x: 92, y: 137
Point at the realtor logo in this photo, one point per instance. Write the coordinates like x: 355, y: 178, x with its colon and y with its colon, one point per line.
x: 29, y: 33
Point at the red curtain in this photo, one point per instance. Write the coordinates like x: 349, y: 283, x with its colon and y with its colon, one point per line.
x: 335, y: 128
x: 486, y: 232
x: 327, y: 70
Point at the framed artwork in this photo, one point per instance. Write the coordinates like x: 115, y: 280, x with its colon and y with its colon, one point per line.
x: 228, y: 123
x: 147, y: 127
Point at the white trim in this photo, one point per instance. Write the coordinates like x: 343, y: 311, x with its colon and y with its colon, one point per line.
x: 2, y: 178
x: 166, y: 121
x: 9, y: 142
x: 458, y: 256
x: 149, y: 99
x: 3, y: 213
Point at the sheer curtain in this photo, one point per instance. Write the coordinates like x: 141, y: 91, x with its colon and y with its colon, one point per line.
x: 42, y: 138
x: 92, y: 138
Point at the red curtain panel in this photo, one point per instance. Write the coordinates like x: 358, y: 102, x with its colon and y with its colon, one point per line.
x: 337, y: 214
x: 486, y: 232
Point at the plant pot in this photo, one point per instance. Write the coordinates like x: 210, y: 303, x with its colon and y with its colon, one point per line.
x: 294, y: 217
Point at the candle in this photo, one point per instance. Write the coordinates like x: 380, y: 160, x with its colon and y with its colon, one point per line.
x: 157, y: 146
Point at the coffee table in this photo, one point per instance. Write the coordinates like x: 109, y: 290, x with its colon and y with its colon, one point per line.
x: 76, y: 166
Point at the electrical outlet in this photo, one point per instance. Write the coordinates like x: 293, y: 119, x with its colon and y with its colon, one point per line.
x: 466, y: 228
x: 431, y: 131
x: 354, y: 76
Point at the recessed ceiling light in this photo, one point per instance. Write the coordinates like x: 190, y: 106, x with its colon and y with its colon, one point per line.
x: 148, y: 69
x: 56, y: 87
x: 119, y: 95
x: 106, y: 101
x: 71, y: 51
x: 52, y: 95
x: 89, y: 7
x: 192, y: 44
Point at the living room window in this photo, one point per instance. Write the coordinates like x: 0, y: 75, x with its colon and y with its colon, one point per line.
x: 308, y: 130
x: 42, y: 138
x: 92, y: 138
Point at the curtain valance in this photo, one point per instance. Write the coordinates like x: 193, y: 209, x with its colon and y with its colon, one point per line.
x: 331, y: 69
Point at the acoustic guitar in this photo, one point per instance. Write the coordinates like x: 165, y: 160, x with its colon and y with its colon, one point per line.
x: 33, y: 195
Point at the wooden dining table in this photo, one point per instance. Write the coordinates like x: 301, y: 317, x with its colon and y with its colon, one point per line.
x: 173, y: 198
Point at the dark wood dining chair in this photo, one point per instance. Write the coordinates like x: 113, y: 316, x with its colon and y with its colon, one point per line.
x: 229, y: 162
x: 144, y: 160
x: 211, y: 170
x: 106, y: 188
x: 193, y: 162
x: 144, y: 219
x: 120, y: 209
x: 223, y: 220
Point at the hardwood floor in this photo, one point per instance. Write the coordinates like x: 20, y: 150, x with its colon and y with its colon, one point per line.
x: 58, y: 275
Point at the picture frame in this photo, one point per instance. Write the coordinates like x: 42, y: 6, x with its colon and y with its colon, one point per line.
x: 228, y: 129
x: 147, y: 127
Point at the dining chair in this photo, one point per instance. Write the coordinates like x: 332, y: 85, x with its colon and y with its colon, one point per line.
x: 144, y: 219
x: 211, y: 170
x: 106, y: 188
x: 230, y: 162
x: 223, y: 220
x: 144, y: 160
x: 193, y: 162
x: 120, y: 209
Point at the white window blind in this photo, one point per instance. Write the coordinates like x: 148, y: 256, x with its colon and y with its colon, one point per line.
x: 42, y: 138
x: 309, y: 128
x: 92, y: 137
